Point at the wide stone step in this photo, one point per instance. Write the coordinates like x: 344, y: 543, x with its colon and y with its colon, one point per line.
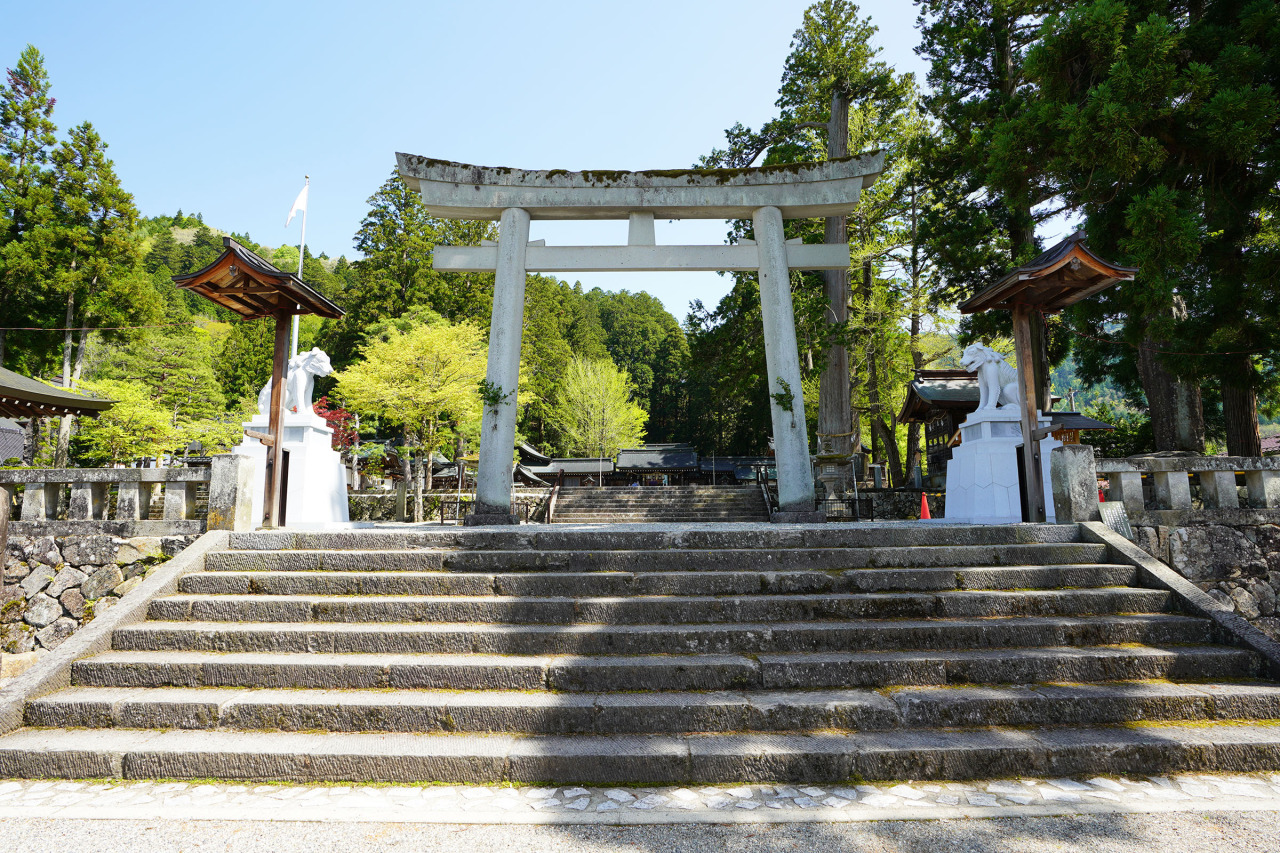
x: 649, y: 609
x: 586, y: 584
x: 746, y: 537
x: 583, y: 674
x: 648, y: 713
x: 812, y: 559
x: 707, y: 758
x: 738, y: 638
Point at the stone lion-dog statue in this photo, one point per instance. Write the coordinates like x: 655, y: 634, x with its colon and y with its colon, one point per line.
x: 299, y: 383
x: 997, y: 381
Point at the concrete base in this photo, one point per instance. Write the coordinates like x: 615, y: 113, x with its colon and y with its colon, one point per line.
x: 485, y: 515
x: 477, y: 520
x: 812, y: 516
x: 983, y: 477
x: 317, y: 489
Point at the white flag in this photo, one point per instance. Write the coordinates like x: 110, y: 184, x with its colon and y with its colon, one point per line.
x: 299, y: 204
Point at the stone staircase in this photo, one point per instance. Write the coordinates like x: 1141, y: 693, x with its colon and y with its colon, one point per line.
x: 716, y: 653
x: 659, y: 504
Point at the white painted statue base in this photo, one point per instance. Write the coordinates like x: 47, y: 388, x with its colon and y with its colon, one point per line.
x: 317, y: 491
x: 982, y: 476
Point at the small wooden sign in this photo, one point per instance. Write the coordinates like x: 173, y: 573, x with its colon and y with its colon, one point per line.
x: 1117, y: 518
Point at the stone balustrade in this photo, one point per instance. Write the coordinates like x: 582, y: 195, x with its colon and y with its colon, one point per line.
x: 1171, y: 477
x: 90, y: 508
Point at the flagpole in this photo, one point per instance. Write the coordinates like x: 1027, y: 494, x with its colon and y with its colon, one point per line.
x: 302, y: 251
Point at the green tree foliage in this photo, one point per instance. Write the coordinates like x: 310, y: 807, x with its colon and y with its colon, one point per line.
x: 984, y: 163
x: 136, y: 426
x: 244, y: 364
x: 1162, y: 121
x: 594, y: 409
x: 397, y: 237
x: 26, y: 139
x: 424, y: 379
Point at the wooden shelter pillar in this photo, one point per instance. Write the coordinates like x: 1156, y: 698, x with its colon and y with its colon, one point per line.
x: 273, y: 500
x: 1032, y: 474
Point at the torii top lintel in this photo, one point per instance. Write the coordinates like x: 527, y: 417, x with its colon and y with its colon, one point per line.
x: 800, y: 190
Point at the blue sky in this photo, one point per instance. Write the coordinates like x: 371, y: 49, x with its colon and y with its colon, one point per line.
x: 222, y: 108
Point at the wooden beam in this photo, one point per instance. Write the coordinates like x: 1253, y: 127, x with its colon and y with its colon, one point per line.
x: 272, y: 497
x: 1032, y: 476
x: 740, y: 258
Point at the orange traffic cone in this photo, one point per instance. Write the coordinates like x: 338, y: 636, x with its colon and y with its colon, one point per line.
x: 924, y: 506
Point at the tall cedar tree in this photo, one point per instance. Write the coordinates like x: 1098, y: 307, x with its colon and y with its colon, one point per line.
x: 1163, y: 119
x: 26, y: 138
x: 982, y: 163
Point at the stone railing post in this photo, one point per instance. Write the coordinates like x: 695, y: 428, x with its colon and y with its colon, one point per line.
x: 1074, y: 476
x: 1126, y: 487
x: 1173, y: 489
x: 88, y: 501
x: 179, y: 500
x: 231, y: 483
x: 39, y: 501
x: 133, y: 500
x: 1218, y: 488
x: 1264, y: 487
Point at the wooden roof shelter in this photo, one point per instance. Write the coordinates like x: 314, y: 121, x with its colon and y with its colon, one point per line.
x: 253, y: 287
x: 23, y: 397
x: 1058, y: 278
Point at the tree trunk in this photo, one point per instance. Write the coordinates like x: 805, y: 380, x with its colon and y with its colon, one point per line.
x: 1177, y: 417
x: 1240, y: 409
x: 835, y: 413
x: 892, y: 459
x: 62, y: 448
x: 431, y: 443
x: 31, y: 440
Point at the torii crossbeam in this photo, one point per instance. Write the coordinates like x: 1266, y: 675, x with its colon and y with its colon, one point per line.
x: 765, y: 195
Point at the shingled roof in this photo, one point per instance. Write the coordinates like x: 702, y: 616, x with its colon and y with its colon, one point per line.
x: 23, y: 397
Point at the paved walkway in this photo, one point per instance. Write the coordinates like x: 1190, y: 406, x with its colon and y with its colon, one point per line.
x: 476, y: 804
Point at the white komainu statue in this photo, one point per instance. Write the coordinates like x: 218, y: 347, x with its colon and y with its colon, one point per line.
x: 300, y: 382
x: 997, y: 381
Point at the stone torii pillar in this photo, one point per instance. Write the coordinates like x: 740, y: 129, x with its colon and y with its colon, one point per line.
x: 498, y: 423
x: 782, y: 358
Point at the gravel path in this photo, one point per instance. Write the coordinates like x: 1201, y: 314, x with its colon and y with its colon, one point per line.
x: 1183, y: 832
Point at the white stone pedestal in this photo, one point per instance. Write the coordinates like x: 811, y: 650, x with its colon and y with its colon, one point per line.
x: 982, y: 476
x: 317, y: 491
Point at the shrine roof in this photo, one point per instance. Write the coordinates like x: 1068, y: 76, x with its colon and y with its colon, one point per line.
x: 251, y: 286
x: 24, y: 397
x: 1058, y: 277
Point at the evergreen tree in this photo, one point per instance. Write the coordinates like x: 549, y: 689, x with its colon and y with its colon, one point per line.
x: 1163, y: 122
x: 26, y: 139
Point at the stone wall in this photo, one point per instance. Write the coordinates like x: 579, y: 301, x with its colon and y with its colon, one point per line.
x: 1238, y: 565
x: 51, y: 586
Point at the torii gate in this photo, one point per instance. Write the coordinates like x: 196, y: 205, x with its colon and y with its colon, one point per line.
x: 766, y: 195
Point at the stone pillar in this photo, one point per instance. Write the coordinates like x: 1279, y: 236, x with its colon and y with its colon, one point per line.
x: 498, y: 423
x: 1264, y: 488
x: 130, y: 501
x: 1126, y: 487
x: 1075, y: 484
x: 39, y: 501
x: 231, y: 487
x: 1218, y: 489
x: 177, y: 501
x: 790, y: 438
x: 1173, y: 489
